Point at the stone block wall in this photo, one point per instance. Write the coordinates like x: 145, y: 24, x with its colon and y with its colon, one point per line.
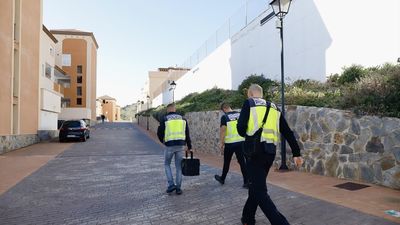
x: 13, y: 142
x: 333, y: 142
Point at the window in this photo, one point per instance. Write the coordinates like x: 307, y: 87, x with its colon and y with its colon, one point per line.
x: 66, y: 59
x: 47, y: 72
x: 79, y: 79
x: 79, y: 91
x: 51, y: 51
x: 79, y: 101
x: 79, y: 69
x: 65, y: 102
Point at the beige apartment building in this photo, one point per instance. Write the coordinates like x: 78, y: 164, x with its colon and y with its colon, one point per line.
x: 109, y: 108
x: 76, y: 52
x: 20, y: 27
x: 155, y: 85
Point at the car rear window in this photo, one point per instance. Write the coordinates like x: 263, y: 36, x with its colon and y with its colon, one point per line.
x: 72, y: 124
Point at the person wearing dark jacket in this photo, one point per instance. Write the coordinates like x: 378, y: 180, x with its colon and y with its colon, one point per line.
x: 260, y: 153
x: 231, y: 142
x: 173, y: 132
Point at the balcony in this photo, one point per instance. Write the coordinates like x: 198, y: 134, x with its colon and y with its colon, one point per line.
x: 62, y: 79
x: 59, y: 88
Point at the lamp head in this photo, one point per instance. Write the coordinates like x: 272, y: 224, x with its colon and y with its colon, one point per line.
x: 280, y: 7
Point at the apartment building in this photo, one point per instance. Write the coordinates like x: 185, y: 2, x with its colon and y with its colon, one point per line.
x: 109, y: 108
x: 20, y: 27
x: 157, y: 81
x: 76, y: 52
x: 52, y: 82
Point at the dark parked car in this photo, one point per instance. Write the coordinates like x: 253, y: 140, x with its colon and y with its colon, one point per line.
x: 74, y: 129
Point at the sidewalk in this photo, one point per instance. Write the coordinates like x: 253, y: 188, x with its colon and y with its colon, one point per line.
x: 374, y: 200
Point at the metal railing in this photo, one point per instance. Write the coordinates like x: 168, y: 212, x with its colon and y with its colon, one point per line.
x: 239, y: 20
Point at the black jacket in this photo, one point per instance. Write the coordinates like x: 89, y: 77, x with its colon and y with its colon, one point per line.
x: 283, y: 127
x: 161, y: 134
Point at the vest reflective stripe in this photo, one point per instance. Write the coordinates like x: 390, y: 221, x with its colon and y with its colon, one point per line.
x: 255, y: 119
x: 232, y: 135
x: 271, y: 133
x: 175, y: 130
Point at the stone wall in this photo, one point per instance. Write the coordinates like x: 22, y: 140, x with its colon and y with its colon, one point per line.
x: 334, y: 142
x: 13, y: 142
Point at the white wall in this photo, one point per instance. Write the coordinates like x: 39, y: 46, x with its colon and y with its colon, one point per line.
x: 50, y: 101
x: 74, y: 113
x: 320, y: 37
x: 48, y: 120
x: 214, y: 70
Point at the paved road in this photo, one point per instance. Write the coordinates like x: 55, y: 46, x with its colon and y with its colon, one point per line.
x: 117, y: 177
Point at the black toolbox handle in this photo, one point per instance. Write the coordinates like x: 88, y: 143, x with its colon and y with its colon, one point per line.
x: 191, y: 154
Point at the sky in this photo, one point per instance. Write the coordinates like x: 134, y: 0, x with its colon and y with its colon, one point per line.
x: 135, y: 36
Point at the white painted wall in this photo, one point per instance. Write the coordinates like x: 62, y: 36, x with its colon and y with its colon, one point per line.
x: 48, y: 120
x: 50, y: 101
x: 320, y: 37
x: 213, y: 71
x: 74, y: 113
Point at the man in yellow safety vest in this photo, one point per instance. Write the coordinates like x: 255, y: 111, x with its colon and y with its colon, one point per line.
x: 231, y: 142
x: 174, y: 133
x: 259, y: 117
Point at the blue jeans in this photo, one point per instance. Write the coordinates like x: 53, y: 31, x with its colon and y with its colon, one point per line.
x: 169, y: 152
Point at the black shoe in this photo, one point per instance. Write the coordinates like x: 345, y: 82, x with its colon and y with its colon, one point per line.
x: 247, y: 223
x: 219, y: 179
x: 178, y: 191
x: 171, y: 189
x: 246, y: 185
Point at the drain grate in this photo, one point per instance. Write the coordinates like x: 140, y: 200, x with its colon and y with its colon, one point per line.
x: 351, y: 186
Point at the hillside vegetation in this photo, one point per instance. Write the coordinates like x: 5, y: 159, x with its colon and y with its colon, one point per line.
x: 373, y: 91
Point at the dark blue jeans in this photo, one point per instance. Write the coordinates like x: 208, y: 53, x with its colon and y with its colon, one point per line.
x: 257, y: 168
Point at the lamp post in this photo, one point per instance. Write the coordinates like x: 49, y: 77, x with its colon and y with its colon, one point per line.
x: 137, y: 111
x: 173, y: 86
x: 148, y: 99
x: 281, y: 8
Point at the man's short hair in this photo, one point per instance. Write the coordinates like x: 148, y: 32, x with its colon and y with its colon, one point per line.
x: 171, y: 105
x: 225, y: 105
x: 256, y: 88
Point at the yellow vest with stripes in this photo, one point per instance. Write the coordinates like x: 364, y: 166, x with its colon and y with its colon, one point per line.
x: 232, y: 135
x: 175, y: 128
x: 258, y: 108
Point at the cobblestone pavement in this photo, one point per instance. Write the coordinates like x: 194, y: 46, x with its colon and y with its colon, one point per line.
x: 117, y: 177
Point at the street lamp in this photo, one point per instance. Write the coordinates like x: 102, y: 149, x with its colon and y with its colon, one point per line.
x: 148, y: 99
x: 173, y: 86
x: 281, y: 8
x: 137, y: 111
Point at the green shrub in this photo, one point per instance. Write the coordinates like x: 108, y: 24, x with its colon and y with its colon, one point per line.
x: 269, y: 86
x: 351, y: 74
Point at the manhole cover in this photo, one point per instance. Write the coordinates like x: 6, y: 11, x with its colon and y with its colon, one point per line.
x: 351, y: 186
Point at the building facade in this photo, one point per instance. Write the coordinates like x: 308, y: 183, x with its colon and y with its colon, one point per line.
x: 20, y: 27
x: 76, y: 52
x: 52, y: 82
x: 109, y: 108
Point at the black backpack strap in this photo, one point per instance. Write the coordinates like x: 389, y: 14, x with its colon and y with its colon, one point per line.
x: 266, y: 115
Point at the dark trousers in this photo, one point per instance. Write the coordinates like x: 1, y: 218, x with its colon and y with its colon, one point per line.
x: 228, y: 153
x: 258, y: 167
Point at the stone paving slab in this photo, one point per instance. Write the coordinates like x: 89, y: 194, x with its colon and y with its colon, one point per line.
x: 117, y: 177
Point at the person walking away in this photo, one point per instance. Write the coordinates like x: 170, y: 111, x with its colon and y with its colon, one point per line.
x: 173, y: 132
x: 231, y: 142
x: 258, y: 164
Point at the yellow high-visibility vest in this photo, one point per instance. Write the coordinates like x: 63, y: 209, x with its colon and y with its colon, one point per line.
x: 175, y: 128
x: 232, y: 135
x: 258, y: 108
